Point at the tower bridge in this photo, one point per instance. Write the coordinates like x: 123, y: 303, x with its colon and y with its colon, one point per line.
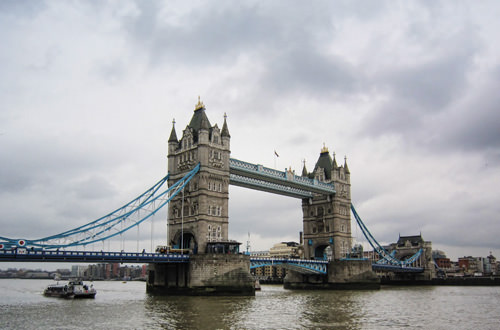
x: 196, y: 193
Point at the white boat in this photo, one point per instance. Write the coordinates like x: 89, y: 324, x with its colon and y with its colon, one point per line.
x: 74, y: 289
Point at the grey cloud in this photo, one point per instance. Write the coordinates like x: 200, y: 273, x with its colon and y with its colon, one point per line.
x: 423, y: 95
x: 22, y: 8
x: 434, y: 85
x: 440, y: 106
x: 306, y: 71
x: 209, y: 34
x: 476, y: 123
x: 93, y: 187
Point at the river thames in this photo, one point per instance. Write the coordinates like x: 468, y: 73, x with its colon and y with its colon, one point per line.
x: 121, y: 305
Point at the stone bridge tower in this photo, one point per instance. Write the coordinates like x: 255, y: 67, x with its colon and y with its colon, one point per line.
x: 203, y: 214
x: 327, y: 219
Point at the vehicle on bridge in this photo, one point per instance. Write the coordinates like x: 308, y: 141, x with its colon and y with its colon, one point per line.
x: 223, y: 247
x: 167, y: 249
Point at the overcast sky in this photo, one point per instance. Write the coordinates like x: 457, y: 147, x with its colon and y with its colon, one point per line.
x: 407, y: 90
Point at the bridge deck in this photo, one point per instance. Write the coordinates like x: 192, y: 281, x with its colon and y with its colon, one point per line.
x: 300, y: 265
x: 396, y: 269
x: 90, y: 256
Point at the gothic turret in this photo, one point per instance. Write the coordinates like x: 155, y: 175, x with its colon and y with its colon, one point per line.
x: 304, y: 170
x: 225, y: 136
x: 225, y: 130
x: 346, y: 171
x: 173, y: 134
x: 173, y: 144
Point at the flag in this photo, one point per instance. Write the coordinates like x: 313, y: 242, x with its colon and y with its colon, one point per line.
x: 276, y: 153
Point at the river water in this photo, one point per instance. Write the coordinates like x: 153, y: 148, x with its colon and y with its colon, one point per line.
x: 127, y: 306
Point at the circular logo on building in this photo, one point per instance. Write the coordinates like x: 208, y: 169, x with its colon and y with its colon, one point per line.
x: 21, y: 242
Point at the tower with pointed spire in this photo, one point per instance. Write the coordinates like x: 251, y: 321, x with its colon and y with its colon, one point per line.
x: 200, y: 214
x: 326, y: 219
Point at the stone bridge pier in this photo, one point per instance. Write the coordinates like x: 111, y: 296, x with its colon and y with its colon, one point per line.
x: 342, y: 275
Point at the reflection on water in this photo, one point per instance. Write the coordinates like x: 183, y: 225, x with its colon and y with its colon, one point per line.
x: 127, y: 306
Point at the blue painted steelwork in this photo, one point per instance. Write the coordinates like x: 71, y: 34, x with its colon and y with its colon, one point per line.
x: 252, y: 183
x: 384, y: 261
x: 128, y: 216
x: 379, y: 249
x: 27, y: 255
x: 397, y: 269
x: 267, y: 179
x: 299, y: 265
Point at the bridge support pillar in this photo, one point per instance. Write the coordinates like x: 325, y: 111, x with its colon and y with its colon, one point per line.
x: 342, y: 275
x: 206, y: 274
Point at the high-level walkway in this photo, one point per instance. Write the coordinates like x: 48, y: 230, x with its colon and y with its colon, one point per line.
x: 258, y: 177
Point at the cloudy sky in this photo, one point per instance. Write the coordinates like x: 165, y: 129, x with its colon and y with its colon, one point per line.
x: 407, y: 90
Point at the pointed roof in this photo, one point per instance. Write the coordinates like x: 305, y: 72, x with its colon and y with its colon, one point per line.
x: 325, y: 162
x: 346, y: 169
x: 304, y: 170
x: 225, y: 130
x: 334, y: 162
x: 199, y: 120
x: 173, y: 135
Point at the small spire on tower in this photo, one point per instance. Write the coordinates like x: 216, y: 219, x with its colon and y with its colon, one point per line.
x: 225, y: 130
x: 173, y: 135
x: 346, y: 169
x: 304, y: 169
x: 324, y: 149
x: 199, y: 105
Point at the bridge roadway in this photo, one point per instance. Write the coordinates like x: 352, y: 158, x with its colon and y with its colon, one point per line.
x: 396, y: 269
x: 299, y: 265
x: 26, y: 255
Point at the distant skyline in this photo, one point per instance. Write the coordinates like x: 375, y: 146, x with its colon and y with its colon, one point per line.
x: 407, y: 90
